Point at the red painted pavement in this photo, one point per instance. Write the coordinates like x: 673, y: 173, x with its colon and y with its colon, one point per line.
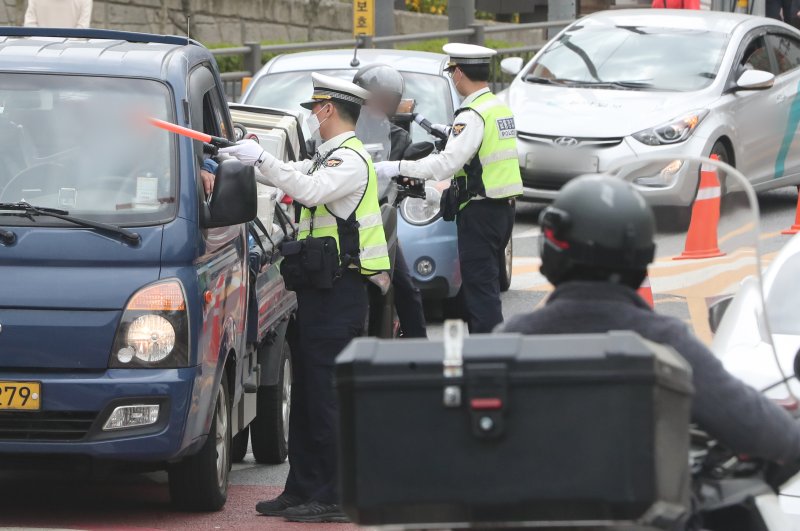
x: 133, y: 506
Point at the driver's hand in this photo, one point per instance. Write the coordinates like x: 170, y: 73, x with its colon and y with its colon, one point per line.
x: 208, y: 181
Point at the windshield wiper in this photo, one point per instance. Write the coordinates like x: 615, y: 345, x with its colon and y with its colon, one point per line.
x: 28, y: 210
x: 611, y: 84
x: 542, y: 80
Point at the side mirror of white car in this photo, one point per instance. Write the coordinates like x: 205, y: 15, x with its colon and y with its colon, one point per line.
x: 755, y: 80
x: 717, y: 311
x: 511, y: 65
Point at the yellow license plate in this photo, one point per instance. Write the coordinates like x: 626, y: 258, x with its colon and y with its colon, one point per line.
x: 20, y: 395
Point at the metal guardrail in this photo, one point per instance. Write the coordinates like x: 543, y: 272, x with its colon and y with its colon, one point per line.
x: 253, y: 53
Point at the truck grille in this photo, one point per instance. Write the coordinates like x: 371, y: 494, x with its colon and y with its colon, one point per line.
x: 45, y: 425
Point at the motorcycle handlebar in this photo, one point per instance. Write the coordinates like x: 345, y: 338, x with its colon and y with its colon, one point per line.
x: 439, y: 131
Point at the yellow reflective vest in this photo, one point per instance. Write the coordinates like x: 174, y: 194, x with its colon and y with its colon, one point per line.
x: 360, y: 239
x: 494, y: 171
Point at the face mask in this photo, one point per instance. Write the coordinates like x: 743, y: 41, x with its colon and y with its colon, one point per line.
x: 460, y: 79
x: 313, y: 123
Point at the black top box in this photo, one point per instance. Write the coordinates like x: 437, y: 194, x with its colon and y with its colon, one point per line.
x: 580, y: 430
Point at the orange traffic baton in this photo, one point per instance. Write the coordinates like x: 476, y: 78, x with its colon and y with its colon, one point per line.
x: 701, y: 241
x: 794, y: 229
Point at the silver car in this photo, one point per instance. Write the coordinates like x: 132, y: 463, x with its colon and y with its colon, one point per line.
x: 622, y: 85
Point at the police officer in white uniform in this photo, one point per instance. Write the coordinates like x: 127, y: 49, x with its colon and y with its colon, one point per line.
x: 338, y: 192
x: 481, y: 153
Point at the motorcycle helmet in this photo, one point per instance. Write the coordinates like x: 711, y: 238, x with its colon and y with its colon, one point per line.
x: 385, y: 84
x: 598, y: 228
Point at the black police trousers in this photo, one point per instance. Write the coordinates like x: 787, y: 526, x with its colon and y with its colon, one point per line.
x: 326, y: 322
x: 484, y: 228
x: 407, y: 299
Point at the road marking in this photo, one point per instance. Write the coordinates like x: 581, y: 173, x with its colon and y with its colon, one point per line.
x: 530, y: 233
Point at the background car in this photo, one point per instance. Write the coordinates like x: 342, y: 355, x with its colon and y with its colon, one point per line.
x: 429, y: 243
x: 622, y: 85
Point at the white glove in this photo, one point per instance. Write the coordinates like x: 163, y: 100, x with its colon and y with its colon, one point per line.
x: 249, y: 153
x: 444, y: 129
x: 387, y: 169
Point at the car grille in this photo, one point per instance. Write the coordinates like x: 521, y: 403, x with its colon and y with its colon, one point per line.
x: 45, y: 425
x: 586, y: 142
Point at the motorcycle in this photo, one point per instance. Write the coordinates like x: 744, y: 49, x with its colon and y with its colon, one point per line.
x: 696, y: 273
x: 373, y: 129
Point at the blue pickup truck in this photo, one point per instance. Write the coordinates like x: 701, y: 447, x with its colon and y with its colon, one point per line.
x: 141, y: 322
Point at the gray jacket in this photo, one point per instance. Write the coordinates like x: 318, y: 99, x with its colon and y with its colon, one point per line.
x: 729, y: 410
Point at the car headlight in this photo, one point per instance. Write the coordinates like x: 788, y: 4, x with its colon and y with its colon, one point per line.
x: 421, y: 211
x: 672, y: 132
x: 154, y: 329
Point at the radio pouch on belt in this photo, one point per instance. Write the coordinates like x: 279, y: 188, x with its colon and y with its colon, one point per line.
x: 311, y: 262
x: 450, y: 201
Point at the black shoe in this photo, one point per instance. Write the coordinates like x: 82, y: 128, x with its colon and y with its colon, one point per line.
x: 315, y: 512
x: 277, y: 506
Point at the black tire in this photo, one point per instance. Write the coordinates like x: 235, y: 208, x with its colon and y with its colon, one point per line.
x: 239, y: 445
x: 200, y: 482
x: 506, y: 259
x: 269, y: 431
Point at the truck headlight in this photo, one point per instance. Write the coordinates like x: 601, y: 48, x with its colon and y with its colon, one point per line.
x: 421, y: 211
x: 154, y: 329
x: 672, y: 132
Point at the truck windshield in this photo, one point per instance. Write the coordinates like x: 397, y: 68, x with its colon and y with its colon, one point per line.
x: 80, y: 144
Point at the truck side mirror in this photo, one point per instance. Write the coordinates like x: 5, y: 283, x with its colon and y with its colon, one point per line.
x: 717, y: 311
x: 234, y: 200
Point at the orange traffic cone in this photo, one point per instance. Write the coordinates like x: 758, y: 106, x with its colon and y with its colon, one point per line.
x: 701, y: 242
x: 646, y: 292
x: 794, y: 229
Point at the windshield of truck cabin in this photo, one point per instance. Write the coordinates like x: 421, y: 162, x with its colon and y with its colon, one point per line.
x: 287, y: 90
x: 81, y: 144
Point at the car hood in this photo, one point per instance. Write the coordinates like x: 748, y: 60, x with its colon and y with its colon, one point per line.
x: 595, y: 113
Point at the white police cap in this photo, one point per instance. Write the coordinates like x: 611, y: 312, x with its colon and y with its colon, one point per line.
x: 468, y: 54
x: 331, y: 88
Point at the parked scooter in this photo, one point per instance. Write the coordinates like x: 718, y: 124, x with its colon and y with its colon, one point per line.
x: 374, y: 131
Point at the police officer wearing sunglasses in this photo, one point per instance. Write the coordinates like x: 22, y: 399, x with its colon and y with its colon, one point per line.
x: 482, y: 155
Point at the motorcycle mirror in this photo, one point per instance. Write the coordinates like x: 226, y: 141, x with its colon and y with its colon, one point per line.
x: 717, y: 311
x: 406, y: 106
x: 405, y: 111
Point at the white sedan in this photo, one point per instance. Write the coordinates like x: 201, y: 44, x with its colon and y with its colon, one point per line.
x: 621, y: 85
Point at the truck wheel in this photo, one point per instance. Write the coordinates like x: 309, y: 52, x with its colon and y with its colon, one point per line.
x: 269, y: 431
x: 200, y: 482
x: 239, y: 445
